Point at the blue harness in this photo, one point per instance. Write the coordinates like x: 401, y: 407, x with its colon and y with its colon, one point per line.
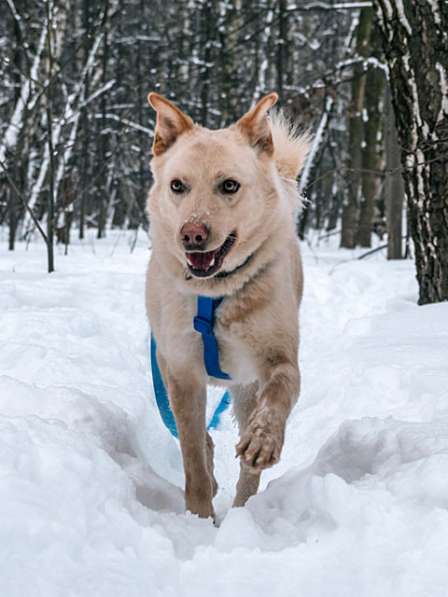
x: 203, y: 323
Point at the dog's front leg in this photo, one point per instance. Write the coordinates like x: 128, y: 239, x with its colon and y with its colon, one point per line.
x: 261, y: 443
x: 188, y: 400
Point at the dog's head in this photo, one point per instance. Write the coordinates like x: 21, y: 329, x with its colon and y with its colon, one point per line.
x: 217, y: 195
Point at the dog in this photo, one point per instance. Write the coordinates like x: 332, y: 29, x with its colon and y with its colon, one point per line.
x: 222, y: 211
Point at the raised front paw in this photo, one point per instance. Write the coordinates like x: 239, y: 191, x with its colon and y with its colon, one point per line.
x: 262, y: 441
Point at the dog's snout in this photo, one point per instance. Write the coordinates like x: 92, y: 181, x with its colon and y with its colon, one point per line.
x: 194, y: 236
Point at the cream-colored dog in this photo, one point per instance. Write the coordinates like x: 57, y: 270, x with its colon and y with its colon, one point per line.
x: 222, y: 212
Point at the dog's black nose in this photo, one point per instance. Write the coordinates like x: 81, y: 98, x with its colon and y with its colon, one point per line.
x: 194, y: 236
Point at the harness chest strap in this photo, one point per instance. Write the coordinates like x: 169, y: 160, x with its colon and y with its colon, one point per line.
x: 203, y: 323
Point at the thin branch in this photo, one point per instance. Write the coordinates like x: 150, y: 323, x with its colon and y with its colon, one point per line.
x: 329, y: 7
x: 127, y: 122
x: 376, y: 250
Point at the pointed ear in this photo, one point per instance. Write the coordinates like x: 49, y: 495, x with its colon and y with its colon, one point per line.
x: 171, y: 122
x: 255, y: 125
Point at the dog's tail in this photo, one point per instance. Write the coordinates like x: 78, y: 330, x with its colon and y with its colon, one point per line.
x: 290, y: 145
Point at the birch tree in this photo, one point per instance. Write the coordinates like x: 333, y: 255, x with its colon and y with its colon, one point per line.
x: 415, y: 40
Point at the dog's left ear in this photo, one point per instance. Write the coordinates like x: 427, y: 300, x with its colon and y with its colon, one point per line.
x: 255, y: 125
x: 171, y: 122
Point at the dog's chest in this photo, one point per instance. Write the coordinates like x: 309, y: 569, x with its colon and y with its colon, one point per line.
x: 235, y: 355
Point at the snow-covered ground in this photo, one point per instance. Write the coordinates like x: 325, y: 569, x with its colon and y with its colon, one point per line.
x: 90, y: 488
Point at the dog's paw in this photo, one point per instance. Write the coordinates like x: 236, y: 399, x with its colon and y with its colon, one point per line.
x: 196, y: 503
x: 198, y: 497
x: 262, y: 441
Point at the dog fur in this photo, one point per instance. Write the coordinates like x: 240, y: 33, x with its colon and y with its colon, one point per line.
x: 257, y: 323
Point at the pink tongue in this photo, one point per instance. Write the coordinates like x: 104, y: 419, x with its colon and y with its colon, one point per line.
x: 201, y: 260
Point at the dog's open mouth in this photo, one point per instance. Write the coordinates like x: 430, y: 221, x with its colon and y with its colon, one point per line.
x: 207, y: 263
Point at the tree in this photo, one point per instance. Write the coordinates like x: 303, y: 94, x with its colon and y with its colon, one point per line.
x: 415, y: 42
x: 350, y: 214
x: 372, y: 147
x: 393, y: 186
x: 49, y: 114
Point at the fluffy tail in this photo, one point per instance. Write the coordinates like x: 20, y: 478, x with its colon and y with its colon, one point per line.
x: 290, y: 145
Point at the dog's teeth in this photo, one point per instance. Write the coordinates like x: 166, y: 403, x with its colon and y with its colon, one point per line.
x: 210, y: 265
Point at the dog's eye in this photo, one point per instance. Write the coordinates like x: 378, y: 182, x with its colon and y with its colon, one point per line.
x: 229, y: 186
x: 177, y: 186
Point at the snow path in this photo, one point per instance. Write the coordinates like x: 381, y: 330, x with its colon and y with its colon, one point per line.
x: 90, y: 479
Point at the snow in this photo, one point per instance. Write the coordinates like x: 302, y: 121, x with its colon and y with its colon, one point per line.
x: 444, y: 89
x: 403, y: 18
x: 90, y: 479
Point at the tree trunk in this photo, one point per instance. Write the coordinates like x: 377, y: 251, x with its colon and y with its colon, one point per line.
x: 282, y: 42
x: 371, y: 151
x: 350, y: 212
x: 102, y: 211
x: 85, y: 124
x: 394, y: 188
x: 12, y: 220
x: 414, y: 39
x: 49, y: 114
x: 206, y: 23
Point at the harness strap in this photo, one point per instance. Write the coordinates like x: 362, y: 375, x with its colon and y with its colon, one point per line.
x: 204, y: 324
x: 160, y: 393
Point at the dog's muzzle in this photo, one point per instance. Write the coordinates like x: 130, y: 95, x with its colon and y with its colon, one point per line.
x: 204, y: 264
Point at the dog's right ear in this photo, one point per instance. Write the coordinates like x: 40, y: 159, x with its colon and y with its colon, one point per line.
x: 255, y: 125
x: 171, y: 122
